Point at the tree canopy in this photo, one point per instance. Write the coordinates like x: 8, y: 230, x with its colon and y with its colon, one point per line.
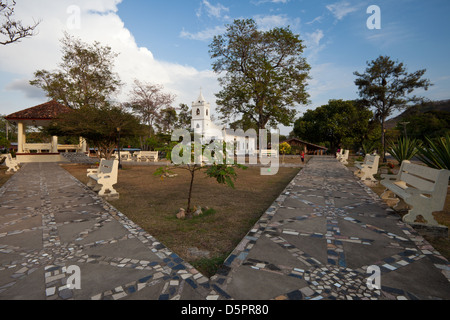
x: 337, y: 123
x: 386, y: 85
x: 85, y: 76
x: 99, y: 126
x: 265, y: 73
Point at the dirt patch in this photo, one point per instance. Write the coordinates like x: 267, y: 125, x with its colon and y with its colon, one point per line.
x: 3, y: 176
x: 153, y: 203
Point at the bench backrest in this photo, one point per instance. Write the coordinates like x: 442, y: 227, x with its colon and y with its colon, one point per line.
x: 345, y: 155
x: 372, y: 160
x: 425, y: 178
x: 148, y: 153
x: 9, y: 159
x: 108, y: 166
x: 269, y: 152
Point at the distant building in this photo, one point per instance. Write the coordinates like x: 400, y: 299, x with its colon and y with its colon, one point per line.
x: 309, y: 148
x: 201, y: 123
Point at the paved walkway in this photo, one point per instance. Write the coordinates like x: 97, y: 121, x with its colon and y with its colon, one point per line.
x: 315, y: 242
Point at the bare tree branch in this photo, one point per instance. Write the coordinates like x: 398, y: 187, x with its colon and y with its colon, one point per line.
x: 12, y: 30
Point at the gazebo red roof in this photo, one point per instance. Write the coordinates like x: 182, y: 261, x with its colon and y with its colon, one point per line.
x: 46, y: 111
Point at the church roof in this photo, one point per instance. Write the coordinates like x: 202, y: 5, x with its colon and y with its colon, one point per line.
x: 201, y: 98
x: 45, y: 111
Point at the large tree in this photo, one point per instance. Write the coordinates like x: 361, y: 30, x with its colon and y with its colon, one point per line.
x: 264, y: 73
x: 85, y: 76
x: 184, y: 117
x: 146, y: 100
x: 338, y: 123
x: 386, y: 86
x: 12, y: 30
x: 99, y: 126
x: 167, y: 121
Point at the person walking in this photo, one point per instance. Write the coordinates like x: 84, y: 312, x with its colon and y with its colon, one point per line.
x: 303, y: 156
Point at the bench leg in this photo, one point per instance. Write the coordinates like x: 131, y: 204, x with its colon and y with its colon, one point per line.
x: 366, y: 175
x: 91, y: 183
x: 426, y: 214
x: 106, y: 187
x: 11, y: 170
x: 390, y: 198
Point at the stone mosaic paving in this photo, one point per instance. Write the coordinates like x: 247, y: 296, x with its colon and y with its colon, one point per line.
x: 315, y: 242
x: 324, y: 231
x: 50, y: 221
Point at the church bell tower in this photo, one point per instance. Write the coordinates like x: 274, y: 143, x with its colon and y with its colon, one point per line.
x: 201, y: 115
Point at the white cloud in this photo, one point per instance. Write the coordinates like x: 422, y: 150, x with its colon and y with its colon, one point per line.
x: 267, y: 22
x: 341, y: 9
x: 270, y: 1
x: 317, y: 19
x: 98, y: 22
x: 313, y: 39
x: 215, y: 11
x: 203, y: 35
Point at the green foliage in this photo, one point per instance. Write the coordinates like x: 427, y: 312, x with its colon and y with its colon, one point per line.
x: 404, y: 149
x: 369, y: 146
x: 436, y: 153
x: 285, y: 148
x: 223, y: 173
x: 431, y: 124
x: 85, y: 76
x: 209, y: 266
x: 97, y: 125
x: 4, y: 143
x: 337, y: 122
x: 385, y: 87
x: 265, y: 73
x: 184, y: 117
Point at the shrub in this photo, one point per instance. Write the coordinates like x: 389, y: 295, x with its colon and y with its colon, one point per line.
x: 404, y: 149
x: 436, y: 153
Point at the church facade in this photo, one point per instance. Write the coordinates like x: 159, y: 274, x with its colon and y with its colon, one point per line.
x: 201, y: 123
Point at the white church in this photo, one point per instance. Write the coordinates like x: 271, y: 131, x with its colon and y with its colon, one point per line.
x: 201, y: 123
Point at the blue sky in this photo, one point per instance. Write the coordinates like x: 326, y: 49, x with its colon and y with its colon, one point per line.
x: 166, y: 42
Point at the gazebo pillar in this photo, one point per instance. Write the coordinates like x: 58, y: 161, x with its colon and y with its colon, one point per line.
x: 83, y: 145
x: 20, y: 137
x: 54, y: 144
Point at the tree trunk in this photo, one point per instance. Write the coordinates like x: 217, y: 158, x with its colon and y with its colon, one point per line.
x: 188, y: 211
x: 383, y: 140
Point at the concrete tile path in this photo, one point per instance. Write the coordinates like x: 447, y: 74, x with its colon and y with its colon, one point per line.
x: 316, y: 241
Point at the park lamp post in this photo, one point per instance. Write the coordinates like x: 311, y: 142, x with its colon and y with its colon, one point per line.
x: 404, y: 124
x: 118, y: 146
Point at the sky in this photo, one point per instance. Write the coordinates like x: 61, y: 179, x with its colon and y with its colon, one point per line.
x: 167, y: 42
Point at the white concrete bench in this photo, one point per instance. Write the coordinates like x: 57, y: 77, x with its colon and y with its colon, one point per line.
x: 12, y: 164
x: 368, y: 168
x: 124, y: 155
x: 144, y: 156
x: 422, y: 188
x: 104, y: 177
x: 344, y: 158
x: 339, y: 154
x: 269, y: 153
x: 38, y: 147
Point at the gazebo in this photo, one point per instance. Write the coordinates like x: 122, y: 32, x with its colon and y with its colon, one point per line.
x: 41, y: 115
